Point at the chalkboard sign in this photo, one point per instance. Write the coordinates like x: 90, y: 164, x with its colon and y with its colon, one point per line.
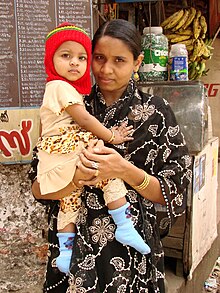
x: 24, y: 25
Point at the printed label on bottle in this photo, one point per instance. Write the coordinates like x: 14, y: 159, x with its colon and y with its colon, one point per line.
x: 159, y: 57
x: 179, y: 68
x: 154, y: 64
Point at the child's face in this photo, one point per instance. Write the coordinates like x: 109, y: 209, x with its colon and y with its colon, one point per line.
x: 70, y: 60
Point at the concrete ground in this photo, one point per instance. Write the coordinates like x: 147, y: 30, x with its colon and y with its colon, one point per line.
x: 196, y: 284
x: 178, y: 284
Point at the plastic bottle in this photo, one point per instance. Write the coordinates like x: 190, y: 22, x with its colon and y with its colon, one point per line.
x: 155, y: 49
x: 179, y: 62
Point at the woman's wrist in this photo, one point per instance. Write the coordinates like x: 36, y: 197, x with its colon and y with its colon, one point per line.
x: 112, y: 137
x: 134, y: 176
x: 75, y: 184
x: 144, y: 184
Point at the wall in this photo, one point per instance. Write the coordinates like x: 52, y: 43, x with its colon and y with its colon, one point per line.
x: 23, y: 248
x: 24, y: 25
x: 212, y: 81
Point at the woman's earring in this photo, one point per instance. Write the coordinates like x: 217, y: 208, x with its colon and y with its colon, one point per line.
x: 136, y: 76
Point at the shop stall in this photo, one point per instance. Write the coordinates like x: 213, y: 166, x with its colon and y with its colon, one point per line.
x: 193, y: 233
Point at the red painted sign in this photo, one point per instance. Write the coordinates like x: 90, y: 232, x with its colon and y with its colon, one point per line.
x: 19, y: 131
x: 213, y: 89
x: 16, y: 139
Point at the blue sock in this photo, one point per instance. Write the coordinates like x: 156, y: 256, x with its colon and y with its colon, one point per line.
x: 125, y: 232
x: 66, y: 246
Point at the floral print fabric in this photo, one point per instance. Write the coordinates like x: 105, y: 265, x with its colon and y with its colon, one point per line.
x: 100, y: 263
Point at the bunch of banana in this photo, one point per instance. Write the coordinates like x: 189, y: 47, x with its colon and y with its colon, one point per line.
x: 197, y: 70
x: 189, y: 27
x: 197, y: 58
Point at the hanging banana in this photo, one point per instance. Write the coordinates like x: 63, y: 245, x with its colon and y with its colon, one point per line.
x: 192, y: 69
x: 171, y: 21
x: 189, y: 48
x: 181, y: 21
x: 192, y: 13
x: 196, y: 28
x: 188, y: 42
x: 179, y: 38
x: 196, y: 50
x: 174, y: 36
x: 203, y: 24
x: 185, y: 32
x: 188, y: 26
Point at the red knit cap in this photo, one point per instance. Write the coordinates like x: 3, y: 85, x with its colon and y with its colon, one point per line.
x: 68, y: 32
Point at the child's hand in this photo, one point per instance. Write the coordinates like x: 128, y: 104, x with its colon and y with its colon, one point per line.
x: 122, y: 133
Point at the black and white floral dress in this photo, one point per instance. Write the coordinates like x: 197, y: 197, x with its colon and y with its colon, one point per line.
x: 99, y: 263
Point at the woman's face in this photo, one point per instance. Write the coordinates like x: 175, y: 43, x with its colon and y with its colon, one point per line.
x: 112, y: 66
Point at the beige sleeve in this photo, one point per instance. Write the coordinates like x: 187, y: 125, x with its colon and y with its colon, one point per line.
x: 59, y: 95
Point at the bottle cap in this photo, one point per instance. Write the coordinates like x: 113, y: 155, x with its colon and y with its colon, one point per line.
x: 179, y: 45
x: 153, y: 29
x: 178, y: 49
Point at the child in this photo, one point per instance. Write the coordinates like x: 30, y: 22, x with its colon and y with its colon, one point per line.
x: 66, y: 130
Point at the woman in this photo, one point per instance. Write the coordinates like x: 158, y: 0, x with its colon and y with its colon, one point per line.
x: 155, y: 167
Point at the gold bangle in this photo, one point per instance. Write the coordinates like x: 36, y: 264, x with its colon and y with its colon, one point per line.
x: 112, y: 137
x: 74, y: 185
x: 144, y: 184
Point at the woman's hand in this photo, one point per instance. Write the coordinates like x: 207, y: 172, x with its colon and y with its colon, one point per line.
x: 85, y: 175
x: 106, y: 163
x: 102, y: 162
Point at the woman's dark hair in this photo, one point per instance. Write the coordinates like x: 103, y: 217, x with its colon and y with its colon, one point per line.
x: 122, y: 30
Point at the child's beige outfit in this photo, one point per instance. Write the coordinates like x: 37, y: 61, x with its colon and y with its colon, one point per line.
x: 60, y: 144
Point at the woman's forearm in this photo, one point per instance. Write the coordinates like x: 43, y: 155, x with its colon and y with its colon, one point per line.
x: 113, y: 165
x: 134, y: 176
